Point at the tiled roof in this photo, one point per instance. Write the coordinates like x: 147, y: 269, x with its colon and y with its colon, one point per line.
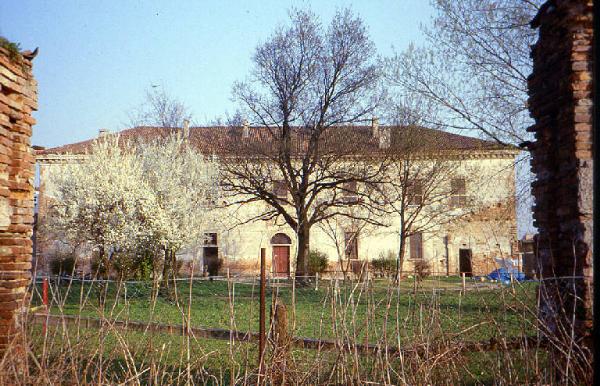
x: 344, y: 140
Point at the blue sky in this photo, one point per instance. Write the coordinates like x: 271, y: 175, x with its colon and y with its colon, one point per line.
x: 97, y: 58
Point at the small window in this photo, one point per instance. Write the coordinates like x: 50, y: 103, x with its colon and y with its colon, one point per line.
x: 414, y: 192
x: 458, y: 192
x: 351, y: 241
x: 416, y: 246
x: 210, y: 239
x: 350, y: 191
x: 280, y: 189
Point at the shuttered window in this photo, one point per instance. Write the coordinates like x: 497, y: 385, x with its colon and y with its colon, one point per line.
x: 458, y: 193
x: 350, y: 191
x: 280, y: 189
x: 416, y: 246
x: 414, y: 192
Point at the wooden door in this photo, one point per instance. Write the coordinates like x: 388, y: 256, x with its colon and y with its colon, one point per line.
x: 464, y: 262
x: 281, y: 261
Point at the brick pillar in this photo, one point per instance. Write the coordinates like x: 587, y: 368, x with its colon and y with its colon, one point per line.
x: 18, y: 98
x: 561, y: 102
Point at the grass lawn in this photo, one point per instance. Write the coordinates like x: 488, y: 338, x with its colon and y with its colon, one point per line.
x: 350, y: 310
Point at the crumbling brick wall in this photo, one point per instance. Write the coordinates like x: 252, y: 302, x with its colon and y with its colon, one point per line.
x: 18, y: 98
x: 561, y: 102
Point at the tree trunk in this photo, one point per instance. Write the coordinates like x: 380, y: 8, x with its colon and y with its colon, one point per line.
x: 400, y: 259
x: 164, y: 283
x: 303, y: 251
x: 173, y: 273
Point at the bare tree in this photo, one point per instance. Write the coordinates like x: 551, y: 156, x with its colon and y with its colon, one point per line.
x: 159, y: 109
x: 307, y: 82
x: 474, y: 72
x: 343, y: 233
x: 476, y: 67
x: 421, y: 193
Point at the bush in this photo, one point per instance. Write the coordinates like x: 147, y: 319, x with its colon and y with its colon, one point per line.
x: 129, y: 265
x: 125, y: 265
x: 14, y: 49
x: 422, y: 269
x: 317, y: 262
x: 62, y: 265
x: 99, y: 266
x: 385, y: 264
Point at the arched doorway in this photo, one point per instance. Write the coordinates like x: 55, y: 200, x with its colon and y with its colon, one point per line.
x: 281, y: 255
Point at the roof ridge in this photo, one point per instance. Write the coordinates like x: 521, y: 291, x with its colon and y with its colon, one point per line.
x: 209, y: 137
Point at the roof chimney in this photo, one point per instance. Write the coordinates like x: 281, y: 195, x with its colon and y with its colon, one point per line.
x: 385, y: 137
x: 245, y: 129
x: 103, y: 133
x: 375, y: 126
x: 186, y: 128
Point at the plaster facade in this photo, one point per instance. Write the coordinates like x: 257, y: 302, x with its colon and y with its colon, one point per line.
x: 485, y: 228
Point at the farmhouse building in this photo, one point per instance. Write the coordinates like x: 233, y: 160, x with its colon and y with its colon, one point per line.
x: 481, y: 200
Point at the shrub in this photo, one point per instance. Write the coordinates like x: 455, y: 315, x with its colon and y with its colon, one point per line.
x: 317, y: 262
x: 13, y: 49
x: 385, y: 264
x: 123, y: 265
x: 422, y: 269
x: 99, y: 266
x: 61, y: 265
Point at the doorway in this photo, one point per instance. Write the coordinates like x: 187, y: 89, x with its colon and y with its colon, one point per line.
x: 465, y: 262
x: 281, y: 255
x: 211, y: 254
x: 211, y: 260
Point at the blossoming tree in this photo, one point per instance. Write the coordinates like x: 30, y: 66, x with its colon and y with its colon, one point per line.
x: 120, y: 199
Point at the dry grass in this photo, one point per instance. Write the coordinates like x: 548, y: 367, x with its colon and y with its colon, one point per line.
x: 427, y: 337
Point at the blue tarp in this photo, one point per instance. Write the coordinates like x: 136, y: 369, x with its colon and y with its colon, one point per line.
x: 504, y: 274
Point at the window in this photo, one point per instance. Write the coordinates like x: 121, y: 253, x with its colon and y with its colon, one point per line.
x: 351, y: 241
x: 210, y: 239
x: 280, y: 189
x: 350, y: 191
x: 416, y: 246
x: 458, y: 192
x: 414, y: 192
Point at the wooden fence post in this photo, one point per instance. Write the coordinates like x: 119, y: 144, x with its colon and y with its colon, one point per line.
x: 281, y: 343
x: 464, y: 282
x: 415, y: 283
x: 45, y: 301
x: 261, y: 327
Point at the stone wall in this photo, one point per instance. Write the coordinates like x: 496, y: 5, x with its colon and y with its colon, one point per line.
x: 18, y: 98
x: 561, y: 102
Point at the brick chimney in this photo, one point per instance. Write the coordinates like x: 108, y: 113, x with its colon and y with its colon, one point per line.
x: 103, y: 133
x: 186, y: 128
x: 375, y: 127
x: 245, y: 129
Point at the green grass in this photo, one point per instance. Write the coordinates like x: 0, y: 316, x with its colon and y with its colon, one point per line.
x: 362, y: 313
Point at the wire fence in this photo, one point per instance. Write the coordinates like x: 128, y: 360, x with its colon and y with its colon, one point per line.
x: 369, y: 324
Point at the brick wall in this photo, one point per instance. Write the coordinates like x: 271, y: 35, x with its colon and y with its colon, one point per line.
x: 561, y: 103
x: 18, y: 98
